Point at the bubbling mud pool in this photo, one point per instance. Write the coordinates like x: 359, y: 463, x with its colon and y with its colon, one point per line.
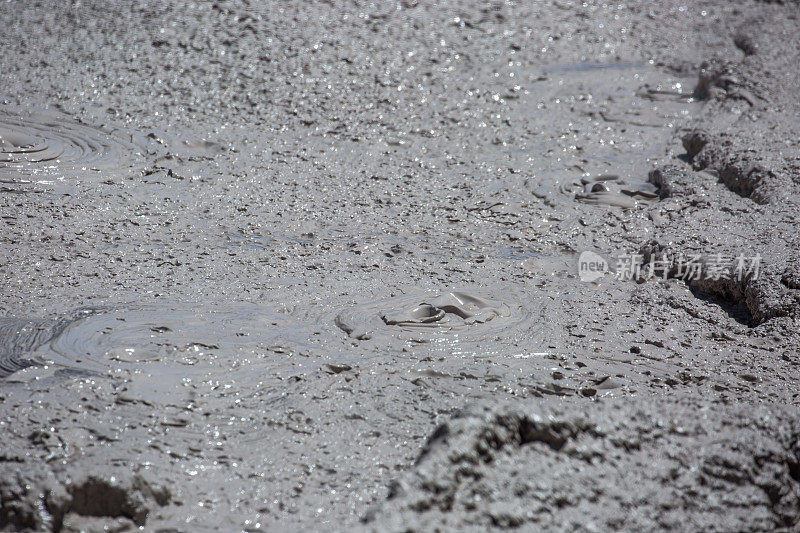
x: 231, y: 340
x: 46, y: 148
x: 249, y: 339
x: 603, y: 190
x: 457, y: 321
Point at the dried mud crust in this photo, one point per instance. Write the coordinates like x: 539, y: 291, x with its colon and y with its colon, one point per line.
x: 612, y: 465
x: 743, y: 139
x: 766, y: 291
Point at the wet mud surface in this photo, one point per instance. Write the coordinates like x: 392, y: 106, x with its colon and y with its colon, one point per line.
x: 53, y: 151
x: 316, y: 266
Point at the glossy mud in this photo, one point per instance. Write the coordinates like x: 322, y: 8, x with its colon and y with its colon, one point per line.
x: 315, y: 267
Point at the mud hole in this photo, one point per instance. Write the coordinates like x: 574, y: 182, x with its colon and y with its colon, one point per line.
x: 321, y: 266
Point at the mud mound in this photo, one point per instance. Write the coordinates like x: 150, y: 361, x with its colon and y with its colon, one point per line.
x: 620, y: 465
x: 40, y: 500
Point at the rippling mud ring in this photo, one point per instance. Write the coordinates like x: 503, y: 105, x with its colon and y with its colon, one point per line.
x: 20, y: 337
x: 461, y: 316
x: 93, y: 341
x: 47, y: 147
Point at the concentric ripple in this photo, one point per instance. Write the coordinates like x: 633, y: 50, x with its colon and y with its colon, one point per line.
x: 458, y: 318
x: 147, y: 337
x: 46, y: 147
x: 19, y: 337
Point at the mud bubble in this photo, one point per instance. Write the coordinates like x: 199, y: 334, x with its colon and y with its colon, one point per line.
x: 460, y: 314
x: 610, y: 189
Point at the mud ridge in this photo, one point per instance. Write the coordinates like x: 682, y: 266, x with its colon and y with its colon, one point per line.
x: 535, y: 465
x: 736, y: 170
x: 40, y: 500
x: 766, y: 291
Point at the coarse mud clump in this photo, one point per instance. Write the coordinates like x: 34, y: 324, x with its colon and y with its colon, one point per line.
x: 630, y: 465
x: 766, y: 290
x: 40, y: 500
x: 671, y: 181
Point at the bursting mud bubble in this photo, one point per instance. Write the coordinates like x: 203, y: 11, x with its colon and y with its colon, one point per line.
x: 317, y: 266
